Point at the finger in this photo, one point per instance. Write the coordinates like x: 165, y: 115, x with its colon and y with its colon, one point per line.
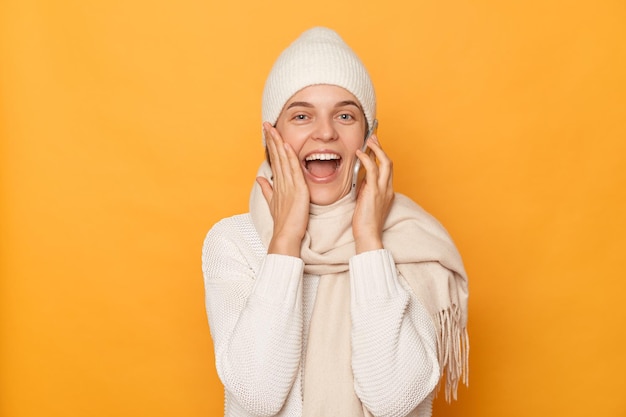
x: 377, y: 149
x: 270, y: 142
x: 385, y: 164
x: 386, y: 170
x: 283, y: 158
x: 282, y: 150
x: 266, y: 188
x: 371, y: 168
x: 294, y: 163
x: 288, y: 173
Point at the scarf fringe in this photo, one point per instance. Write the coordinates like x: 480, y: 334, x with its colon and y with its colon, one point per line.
x: 452, y: 351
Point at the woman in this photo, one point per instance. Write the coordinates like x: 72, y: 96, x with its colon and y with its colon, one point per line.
x: 322, y: 302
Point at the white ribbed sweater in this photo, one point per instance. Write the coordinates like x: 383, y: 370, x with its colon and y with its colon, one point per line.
x: 259, y: 307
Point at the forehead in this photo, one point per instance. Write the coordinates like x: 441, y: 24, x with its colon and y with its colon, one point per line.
x: 324, y: 95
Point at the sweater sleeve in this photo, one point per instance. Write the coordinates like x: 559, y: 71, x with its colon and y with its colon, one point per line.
x: 255, y: 317
x: 394, y: 344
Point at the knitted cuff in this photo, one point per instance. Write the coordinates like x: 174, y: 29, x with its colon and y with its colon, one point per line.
x: 373, y: 276
x: 279, y: 281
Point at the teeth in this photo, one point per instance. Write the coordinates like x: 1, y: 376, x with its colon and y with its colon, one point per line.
x: 322, y: 157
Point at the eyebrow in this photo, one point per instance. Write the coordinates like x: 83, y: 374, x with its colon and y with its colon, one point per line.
x: 339, y: 104
x: 299, y: 104
x: 349, y: 103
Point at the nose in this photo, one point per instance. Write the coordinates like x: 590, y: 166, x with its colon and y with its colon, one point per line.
x: 324, y: 130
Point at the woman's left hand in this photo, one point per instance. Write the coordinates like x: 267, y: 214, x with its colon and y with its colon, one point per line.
x: 374, y: 198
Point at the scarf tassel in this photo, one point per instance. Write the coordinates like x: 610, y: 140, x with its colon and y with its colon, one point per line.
x: 452, y: 351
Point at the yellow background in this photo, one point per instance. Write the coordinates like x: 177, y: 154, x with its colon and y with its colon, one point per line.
x: 130, y: 127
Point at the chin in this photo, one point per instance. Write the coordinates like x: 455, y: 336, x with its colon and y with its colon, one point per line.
x: 325, y: 197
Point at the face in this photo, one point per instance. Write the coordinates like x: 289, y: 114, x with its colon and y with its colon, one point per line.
x: 325, y: 125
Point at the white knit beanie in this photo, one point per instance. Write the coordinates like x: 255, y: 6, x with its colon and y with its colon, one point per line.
x: 318, y: 56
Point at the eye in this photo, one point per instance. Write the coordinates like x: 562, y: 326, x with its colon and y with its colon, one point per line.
x: 345, y: 116
x: 300, y: 117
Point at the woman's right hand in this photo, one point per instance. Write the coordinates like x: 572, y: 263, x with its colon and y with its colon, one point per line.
x: 288, y: 198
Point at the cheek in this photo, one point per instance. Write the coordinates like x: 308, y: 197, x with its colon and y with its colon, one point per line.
x: 354, y: 138
x: 355, y: 141
x: 294, y: 137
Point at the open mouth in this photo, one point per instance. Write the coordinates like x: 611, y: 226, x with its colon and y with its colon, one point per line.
x: 322, y: 165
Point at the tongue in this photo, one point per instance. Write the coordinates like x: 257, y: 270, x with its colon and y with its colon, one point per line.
x: 322, y: 169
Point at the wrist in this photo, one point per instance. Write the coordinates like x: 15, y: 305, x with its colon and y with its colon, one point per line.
x: 283, y: 245
x: 368, y: 243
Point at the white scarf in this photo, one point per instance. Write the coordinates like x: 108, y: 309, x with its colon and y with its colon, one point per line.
x: 412, y: 236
